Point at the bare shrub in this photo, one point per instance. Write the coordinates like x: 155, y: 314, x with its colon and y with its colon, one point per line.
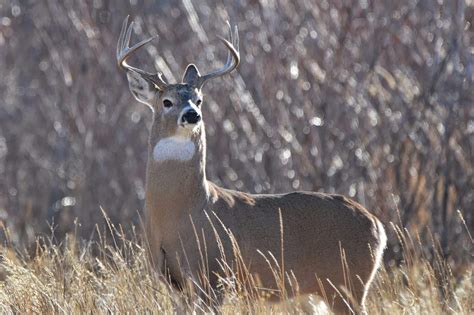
x: 369, y: 99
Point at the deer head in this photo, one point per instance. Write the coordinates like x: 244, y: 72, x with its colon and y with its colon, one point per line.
x: 176, y: 105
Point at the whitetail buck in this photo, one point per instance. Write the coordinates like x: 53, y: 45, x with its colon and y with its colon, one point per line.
x: 324, y: 236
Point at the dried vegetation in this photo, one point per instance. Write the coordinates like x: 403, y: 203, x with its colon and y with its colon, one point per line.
x: 371, y: 99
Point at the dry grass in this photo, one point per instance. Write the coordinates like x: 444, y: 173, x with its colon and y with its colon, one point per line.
x: 114, y: 276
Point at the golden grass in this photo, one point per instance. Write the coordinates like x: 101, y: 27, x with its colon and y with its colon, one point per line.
x: 115, y: 277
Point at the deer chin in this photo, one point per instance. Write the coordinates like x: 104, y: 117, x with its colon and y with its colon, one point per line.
x: 187, y: 129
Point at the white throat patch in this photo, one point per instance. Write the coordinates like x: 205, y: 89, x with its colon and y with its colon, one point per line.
x: 174, y: 148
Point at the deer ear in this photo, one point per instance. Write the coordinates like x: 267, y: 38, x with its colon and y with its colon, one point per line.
x: 143, y: 89
x: 191, y: 74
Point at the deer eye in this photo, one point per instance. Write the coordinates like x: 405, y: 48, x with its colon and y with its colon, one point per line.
x: 167, y: 103
x: 198, y: 102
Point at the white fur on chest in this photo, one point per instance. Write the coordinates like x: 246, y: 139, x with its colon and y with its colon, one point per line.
x: 174, y: 148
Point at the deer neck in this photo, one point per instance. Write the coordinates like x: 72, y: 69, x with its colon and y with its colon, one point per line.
x: 176, y: 173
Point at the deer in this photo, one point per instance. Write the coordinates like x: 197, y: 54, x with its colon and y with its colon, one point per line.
x: 321, y: 232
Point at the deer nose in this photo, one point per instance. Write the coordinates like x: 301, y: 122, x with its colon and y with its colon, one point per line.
x: 191, y: 116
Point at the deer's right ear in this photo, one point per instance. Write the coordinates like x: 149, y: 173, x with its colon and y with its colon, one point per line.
x: 144, y: 90
x: 191, y: 75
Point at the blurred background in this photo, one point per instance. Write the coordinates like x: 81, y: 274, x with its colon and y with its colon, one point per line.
x: 370, y: 99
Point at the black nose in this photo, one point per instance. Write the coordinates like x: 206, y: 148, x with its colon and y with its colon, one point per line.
x: 191, y: 116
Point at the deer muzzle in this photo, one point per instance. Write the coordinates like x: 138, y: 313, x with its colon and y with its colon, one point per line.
x: 191, y: 117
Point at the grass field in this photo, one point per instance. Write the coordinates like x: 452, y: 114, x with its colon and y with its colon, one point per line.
x: 114, y: 276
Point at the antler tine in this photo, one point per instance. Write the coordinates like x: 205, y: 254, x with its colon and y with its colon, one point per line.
x: 233, y: 57
x: 229, y: 55
x: 124, y: 52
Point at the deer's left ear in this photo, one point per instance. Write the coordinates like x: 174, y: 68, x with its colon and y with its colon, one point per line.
x: 191, y: 75
x: 144, y: 90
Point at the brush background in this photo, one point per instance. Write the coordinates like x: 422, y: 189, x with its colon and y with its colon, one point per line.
x: 370, y: 99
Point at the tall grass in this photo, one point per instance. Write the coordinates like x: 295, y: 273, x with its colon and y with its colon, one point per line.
x: 115, y: 276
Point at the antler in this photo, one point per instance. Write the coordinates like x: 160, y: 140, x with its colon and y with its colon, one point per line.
x: 124, y: 52
x: 233, y: 57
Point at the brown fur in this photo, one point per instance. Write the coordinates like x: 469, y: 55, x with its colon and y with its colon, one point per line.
x: 315, y: 227
x: 182, y: 207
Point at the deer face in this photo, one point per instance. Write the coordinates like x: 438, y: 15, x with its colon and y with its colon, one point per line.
x: 177, y: 106
x: 182, y: 105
